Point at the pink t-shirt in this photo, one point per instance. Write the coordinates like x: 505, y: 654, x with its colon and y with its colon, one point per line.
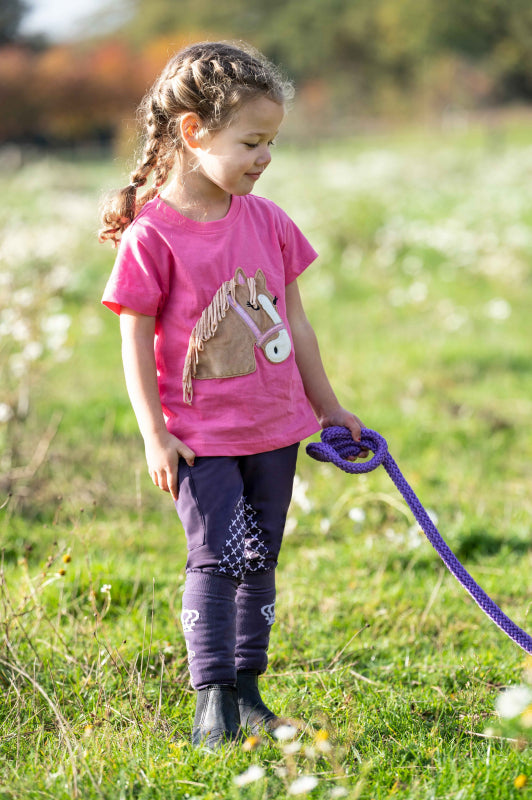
x: 227, y: 376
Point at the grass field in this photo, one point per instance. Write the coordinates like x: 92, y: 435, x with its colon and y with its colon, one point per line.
x: 421, y: 300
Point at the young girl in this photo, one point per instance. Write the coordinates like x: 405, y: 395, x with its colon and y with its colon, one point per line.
x: 222, y: 366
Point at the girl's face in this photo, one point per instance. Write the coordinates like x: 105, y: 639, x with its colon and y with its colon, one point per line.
x: 234, y: 158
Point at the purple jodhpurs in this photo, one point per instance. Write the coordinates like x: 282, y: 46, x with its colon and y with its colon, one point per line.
x: 233, y: 510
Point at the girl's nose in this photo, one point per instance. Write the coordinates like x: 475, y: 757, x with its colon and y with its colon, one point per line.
x: 264, y: 157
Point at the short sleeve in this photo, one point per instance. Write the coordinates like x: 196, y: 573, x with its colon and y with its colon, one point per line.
x: 297, y: 251
x: 140, y: 276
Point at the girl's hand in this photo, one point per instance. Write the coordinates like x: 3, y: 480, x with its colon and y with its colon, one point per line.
x: 162, y: 454
x: 345, y: 419
x: 162, y: 448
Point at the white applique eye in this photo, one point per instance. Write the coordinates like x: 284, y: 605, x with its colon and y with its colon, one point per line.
x: 278, y: 349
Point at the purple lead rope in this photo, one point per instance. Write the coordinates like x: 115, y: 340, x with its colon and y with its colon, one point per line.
x: 337, y: 445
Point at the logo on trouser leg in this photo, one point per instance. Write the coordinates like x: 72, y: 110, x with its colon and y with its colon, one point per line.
x: 189, y: 617
x: 268, y: 612
x: 190, y: 652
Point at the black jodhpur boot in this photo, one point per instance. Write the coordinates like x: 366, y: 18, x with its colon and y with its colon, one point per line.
x: 217, y: 719
x: 254, y: 714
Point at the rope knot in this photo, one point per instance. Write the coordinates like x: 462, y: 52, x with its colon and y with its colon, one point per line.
x: 337, y: 446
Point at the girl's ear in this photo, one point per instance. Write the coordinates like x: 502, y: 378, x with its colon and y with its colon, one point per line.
x: 191, y: 129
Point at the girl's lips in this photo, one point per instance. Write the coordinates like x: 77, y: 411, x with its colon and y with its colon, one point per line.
x: 254, y: 175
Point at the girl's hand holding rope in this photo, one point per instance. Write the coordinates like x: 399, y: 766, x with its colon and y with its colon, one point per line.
x: 342, y: 418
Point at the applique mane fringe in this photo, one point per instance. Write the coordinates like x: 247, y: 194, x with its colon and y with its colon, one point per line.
x: 206, y: 327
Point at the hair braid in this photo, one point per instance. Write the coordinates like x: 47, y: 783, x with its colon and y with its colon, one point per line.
x: 121, y: 208
x: 211, y: 79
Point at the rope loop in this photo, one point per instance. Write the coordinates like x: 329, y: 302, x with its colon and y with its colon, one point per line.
x: 337, y: 446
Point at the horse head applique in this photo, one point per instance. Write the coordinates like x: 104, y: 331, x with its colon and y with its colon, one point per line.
x: 241, y: 317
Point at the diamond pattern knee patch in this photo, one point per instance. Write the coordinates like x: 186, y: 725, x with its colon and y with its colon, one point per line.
x: 233, y: 559
x: 244, y: 549
x: 255, y: 550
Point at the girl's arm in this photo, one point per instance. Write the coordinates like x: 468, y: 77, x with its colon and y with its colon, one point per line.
x: 162, y: 448
x: 308, y: 359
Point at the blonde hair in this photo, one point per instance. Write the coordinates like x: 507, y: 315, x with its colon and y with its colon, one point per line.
x: 211, y: 79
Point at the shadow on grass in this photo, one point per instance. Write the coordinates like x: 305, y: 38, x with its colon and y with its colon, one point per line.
x: 478, y: 543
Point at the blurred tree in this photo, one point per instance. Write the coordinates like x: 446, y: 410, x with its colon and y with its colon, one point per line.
x: 348, y: 45
x: 11, y: 14
x: 357, y: 46
x: 17, y: 101
x: 496, y: 33
x: 349, y: 60
x: 68, y: 93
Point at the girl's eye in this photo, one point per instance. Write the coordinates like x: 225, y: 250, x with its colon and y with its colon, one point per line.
x: 252, y: 145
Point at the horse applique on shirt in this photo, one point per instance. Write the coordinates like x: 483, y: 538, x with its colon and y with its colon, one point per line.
x: 241, y: 317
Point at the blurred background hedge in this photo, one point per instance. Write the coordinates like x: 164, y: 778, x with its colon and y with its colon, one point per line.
x: 351, y: 61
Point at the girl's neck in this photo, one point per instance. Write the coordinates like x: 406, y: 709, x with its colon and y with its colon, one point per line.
x: 195, y: 198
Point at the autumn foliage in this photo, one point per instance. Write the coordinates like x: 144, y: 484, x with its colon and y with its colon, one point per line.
x: 393, y: 59
x: 75, y: 92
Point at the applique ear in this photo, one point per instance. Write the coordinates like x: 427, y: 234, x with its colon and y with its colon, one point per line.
x: 260, y: 280
x: 240, y: 276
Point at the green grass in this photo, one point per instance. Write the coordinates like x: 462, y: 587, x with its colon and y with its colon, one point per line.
x: 421, y: 300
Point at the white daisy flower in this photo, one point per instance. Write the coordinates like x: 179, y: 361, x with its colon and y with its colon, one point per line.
x: 252, y: 774
x: 302, y: 785
x: 285, y: 732
x: 514, y: 701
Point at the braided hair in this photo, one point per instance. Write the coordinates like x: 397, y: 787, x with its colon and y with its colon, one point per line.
x: 211, y: 79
